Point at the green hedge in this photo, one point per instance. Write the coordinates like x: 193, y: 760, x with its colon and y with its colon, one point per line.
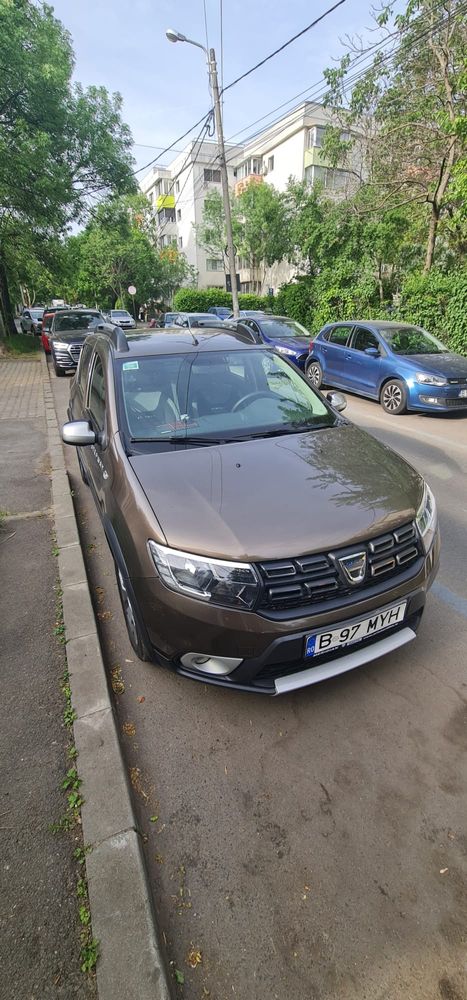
x: 438, y: 302
x: 200, y: 300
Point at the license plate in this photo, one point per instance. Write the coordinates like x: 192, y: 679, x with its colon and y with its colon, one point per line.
x: 463, y: 393
x: 346, y: 635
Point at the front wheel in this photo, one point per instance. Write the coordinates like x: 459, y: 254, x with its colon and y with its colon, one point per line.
x: 135, y: 632
x: 314, y: 373
x: 393, y: 397
x: 58, y: 371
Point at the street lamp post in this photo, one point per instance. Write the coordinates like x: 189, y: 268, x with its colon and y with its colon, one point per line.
x: 176, y: 36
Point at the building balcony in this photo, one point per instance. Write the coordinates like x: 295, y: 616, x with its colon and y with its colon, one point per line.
x: 165, y: 201
x: 314, y: 157
x: 245, y: 182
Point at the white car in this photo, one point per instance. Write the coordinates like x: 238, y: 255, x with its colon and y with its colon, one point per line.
x: 120, y: 317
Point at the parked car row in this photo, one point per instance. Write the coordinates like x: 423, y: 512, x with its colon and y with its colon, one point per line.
x: 261, y: 541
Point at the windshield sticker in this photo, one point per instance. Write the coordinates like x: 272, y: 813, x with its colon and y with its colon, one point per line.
x: 130, y: 366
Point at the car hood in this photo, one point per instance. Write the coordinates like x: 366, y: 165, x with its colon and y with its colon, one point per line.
x: 279, y: 497
x: 71, y: 336
x: 449, y: 365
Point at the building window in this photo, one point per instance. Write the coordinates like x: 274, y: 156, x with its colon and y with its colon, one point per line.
x: 270, y: 163
x: 316, y: 136
x: 166, y: 215
x: 180, y: 242
x: 212, y: 175
x: 330, y: 178
x: 177, y: 187
x: 212, y: 264
x: 179, y: 214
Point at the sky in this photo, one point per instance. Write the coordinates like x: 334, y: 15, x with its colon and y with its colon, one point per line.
x: 122, y: 45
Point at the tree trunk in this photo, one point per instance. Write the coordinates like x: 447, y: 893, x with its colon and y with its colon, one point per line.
x: 5, y: 302
x: 432, y: 233
x: 380, y: 282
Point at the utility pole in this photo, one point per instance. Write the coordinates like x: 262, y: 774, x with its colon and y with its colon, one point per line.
x: 224, y: 178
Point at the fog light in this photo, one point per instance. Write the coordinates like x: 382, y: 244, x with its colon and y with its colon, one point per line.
x: 210, y: 664
x: 432, y: 399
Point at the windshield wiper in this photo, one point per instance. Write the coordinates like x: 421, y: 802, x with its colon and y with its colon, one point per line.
x: 289, y: 430
x: 178, y: 439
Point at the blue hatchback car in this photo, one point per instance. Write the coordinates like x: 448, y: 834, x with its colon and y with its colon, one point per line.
x: 288, y: 337
x: 402, y: 366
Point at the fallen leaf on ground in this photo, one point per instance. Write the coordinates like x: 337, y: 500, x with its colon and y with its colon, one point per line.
x: 443, y: 871
x: 129, y: 729
x: 153, y: 819
x: 194, y: 958
x: 180, y: 978
x: 104, y: 616
x: 141, y: 698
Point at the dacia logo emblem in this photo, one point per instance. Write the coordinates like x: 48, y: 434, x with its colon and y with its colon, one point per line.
x: 354, y: 567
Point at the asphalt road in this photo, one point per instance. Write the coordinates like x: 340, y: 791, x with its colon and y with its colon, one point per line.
x: 310, y: 846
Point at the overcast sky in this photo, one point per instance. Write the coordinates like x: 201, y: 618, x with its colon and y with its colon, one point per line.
x: 122, y: 45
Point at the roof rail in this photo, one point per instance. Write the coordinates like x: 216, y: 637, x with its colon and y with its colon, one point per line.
x: 116, y: 335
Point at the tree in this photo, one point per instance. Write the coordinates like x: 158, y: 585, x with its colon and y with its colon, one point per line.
x: 60, y: 145
x: 117, y: 249
x: 411, y: 105
x: 211, y: 234
x: 260, y: 226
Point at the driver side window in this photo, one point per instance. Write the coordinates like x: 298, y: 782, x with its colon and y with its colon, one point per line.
x: 362, y: 339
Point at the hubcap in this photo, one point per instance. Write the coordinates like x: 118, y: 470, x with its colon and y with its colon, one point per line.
x: 314, y: 374
x: 392, y: 397
x: 127, y: 609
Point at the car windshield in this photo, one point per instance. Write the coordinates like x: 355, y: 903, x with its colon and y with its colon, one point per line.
x: 75, y: 321
x: 411, y: 340
x: 120, y: 312
x: 217, y: 397
x: 37, y: 313
x: 280, y: 328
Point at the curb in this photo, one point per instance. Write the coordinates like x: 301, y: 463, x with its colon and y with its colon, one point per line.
x: 131, y: 965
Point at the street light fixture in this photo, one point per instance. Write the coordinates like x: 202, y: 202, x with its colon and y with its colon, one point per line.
x: 176, y: 36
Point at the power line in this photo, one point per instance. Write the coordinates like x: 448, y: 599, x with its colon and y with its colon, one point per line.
x: 285, y: 45
x: 174, y: 143
x: 199, y: 139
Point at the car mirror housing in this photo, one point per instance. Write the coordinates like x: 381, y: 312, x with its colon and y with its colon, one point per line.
x: 78, y: 432
x: 372, y: 352
x: 337, y: 400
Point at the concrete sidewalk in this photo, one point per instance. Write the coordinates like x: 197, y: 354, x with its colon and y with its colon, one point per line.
x: 39, y: 925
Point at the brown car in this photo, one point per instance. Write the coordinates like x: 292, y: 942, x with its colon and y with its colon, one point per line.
x: 261, y: 541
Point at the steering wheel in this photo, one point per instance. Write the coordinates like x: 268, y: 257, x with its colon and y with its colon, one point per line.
x: 250, y: 398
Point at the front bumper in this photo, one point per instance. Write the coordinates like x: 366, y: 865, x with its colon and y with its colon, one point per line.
x: 438, y: 399
x: 272, y: 650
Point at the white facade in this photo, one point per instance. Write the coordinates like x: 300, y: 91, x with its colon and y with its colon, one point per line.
x: 289, y: 148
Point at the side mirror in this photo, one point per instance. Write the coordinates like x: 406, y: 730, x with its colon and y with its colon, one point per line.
x: 337, y: 400
x: 372, y: 352
x: 78, y: 432
x: 100, y: 326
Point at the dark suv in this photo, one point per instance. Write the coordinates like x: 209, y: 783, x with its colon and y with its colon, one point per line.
x: 261, y: 541
x: 68, y: 332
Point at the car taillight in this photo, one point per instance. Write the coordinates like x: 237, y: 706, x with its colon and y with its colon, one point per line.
x: 311, y: 346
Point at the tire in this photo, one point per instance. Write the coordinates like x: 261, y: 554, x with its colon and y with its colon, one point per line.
x: 314, y: 373
x: 58, y: 371
x: 132, y: 622
x: 393, y: 397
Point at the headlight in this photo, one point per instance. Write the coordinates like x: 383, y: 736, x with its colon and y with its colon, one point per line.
x: 60, y: 345
x: 286, y: 350
x: 230, y: 584
x: 426, y: 518
x: 426, y: 379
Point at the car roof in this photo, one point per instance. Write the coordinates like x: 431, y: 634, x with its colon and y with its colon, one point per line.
x: 384, y: 324
x: 180, y: 341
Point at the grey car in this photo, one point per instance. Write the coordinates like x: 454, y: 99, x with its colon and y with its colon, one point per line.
x: 31, y: 320
x: 261, y: 541
x: 68, y: 333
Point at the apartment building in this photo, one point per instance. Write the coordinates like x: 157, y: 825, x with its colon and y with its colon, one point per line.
x: 292, y: 147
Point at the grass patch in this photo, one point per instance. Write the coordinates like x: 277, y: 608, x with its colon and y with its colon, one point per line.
x: 21, y: 345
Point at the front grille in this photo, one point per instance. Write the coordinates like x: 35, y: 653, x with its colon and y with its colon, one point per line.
x: 455, y: 402
x: 63, y: 359
x: 292, y: 583
x: 458, y: 381
x: 75, y: 351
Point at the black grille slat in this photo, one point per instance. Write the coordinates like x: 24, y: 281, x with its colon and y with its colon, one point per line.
x: 290, y: 583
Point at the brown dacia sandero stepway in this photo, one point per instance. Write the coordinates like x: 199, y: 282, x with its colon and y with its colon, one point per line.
x: 261, y: 540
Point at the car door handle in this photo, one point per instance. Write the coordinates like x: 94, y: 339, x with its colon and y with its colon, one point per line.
x: 348, y: 357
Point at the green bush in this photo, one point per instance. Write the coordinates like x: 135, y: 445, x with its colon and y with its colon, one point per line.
x: 200, y: 300
x: 438, y: 302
